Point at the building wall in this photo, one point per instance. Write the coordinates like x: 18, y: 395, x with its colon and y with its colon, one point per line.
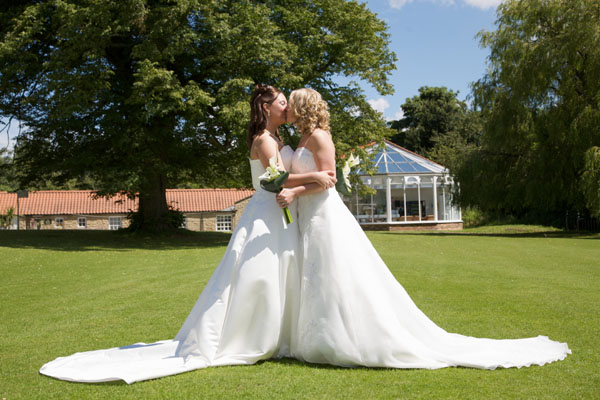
x: 203, y: 221
x: 199, y: 221
x: 207, y: 221
x: 70, y: 222
x: 240, y: 206
x: 453, y: 226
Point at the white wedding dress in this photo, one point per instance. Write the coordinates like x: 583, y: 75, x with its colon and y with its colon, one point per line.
x: 246, y: 312
x: 353, y: 312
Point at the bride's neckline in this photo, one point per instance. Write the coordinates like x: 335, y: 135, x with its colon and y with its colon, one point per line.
x: 304, y: 147
x: 282, y: 147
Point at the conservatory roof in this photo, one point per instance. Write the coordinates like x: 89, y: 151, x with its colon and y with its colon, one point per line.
x: 394, y: 159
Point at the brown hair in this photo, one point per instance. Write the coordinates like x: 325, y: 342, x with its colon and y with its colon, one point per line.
x: 263, y: 94
x: 310, y: 109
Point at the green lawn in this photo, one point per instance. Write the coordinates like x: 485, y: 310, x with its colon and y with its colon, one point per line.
x: 63, y: 292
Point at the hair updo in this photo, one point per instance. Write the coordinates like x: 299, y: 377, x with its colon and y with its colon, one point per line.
x: 310, y: 109
x: 263, y: 94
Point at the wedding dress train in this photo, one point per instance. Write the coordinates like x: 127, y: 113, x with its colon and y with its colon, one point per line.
x: 244, y: 314
x: 353, y: 312
x: 342, y: 307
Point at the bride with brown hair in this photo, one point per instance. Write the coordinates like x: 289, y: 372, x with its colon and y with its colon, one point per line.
x: 248, y: 310
x: 352, y: 310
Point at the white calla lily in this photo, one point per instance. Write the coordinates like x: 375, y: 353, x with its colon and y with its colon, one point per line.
x: 268, y: 181
x: 346, y: 172
x: 351, y: 162
x: 271, y: 171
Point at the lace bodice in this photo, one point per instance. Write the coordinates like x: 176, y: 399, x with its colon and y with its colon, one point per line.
x: 303, y: 161
x: 257, y: 168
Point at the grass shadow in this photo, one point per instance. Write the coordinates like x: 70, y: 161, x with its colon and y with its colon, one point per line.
x: 110, y: 240
x: 505, y: 234
x: 295, y: 362
x: 106, y: 383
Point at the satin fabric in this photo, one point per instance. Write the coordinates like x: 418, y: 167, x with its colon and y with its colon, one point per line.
x: 315, y: 290
x: 246, y: 312
x: 353, y: 312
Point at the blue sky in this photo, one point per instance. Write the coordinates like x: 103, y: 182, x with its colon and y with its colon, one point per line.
x: 434, y: 41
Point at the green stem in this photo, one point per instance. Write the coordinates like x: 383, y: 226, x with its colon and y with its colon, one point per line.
x: 287, y: 215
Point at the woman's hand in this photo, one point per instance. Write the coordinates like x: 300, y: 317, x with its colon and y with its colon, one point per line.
x: 285, y: 197
x: 325, y: 179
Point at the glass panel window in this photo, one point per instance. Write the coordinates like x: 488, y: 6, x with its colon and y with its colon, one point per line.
x: 364, y: 208
x: 81, y: 222
x: 224, y: 223
x: 59, y: 222
x: 380, y: 206
x: 184, y: 222
x: 114, y: 223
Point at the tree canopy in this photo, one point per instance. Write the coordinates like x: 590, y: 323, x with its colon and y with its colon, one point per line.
x: 139, y: 95
x: 437, y: 125
x: 540, y: 100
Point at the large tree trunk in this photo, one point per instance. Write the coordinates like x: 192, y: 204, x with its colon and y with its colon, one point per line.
x: 153, y: 212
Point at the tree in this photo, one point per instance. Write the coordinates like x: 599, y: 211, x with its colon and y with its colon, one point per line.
x: 138, y: 95
x: 6, y: 218
x: 590, y: 180
x: 539, y: 99
x: 7, y: 173
x: 437, y: 125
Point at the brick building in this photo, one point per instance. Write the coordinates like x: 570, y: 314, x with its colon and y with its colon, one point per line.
x: 204, y: 209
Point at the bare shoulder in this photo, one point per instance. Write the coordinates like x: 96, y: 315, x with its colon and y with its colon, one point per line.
x: 320, y: 134
x: 264, y: 144
x: 322, y: 138
x: 265, y: 141
x: 263, y: 138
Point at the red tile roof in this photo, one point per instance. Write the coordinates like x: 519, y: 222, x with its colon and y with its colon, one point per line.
x: 193, y: 200
x: 7, y: 200
x: 66, y: 202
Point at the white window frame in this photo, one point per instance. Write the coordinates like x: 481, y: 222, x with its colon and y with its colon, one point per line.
x: 58, y: 224
x: 79, y: 220
x: 112, y: 225
x: 225, y: 224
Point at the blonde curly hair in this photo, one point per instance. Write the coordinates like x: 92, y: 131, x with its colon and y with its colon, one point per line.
x: 310, y: 109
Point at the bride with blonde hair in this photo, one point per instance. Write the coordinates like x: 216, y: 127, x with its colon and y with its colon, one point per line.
x: 352, y: 311
x: 248, y: 310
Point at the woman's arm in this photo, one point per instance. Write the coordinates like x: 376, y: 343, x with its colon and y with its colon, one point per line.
x: 325, y: 179
x: 323, y: 150
x: 265, y: 147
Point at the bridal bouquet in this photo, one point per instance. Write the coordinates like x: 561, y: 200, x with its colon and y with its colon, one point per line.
x: 272, y: 181
x: 343, y: 183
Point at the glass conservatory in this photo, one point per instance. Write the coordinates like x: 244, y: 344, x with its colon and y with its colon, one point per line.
x: 410, y: 192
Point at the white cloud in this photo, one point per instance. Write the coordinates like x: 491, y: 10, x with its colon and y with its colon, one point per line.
x: 380, y: 104
x: 398, y: 3
x: 354, y: 111
x: 399, y: 114
x: 483, y: 4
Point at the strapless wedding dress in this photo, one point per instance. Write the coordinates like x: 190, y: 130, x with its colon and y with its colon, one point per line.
x: 246, y: 312
x: 353, y: 312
